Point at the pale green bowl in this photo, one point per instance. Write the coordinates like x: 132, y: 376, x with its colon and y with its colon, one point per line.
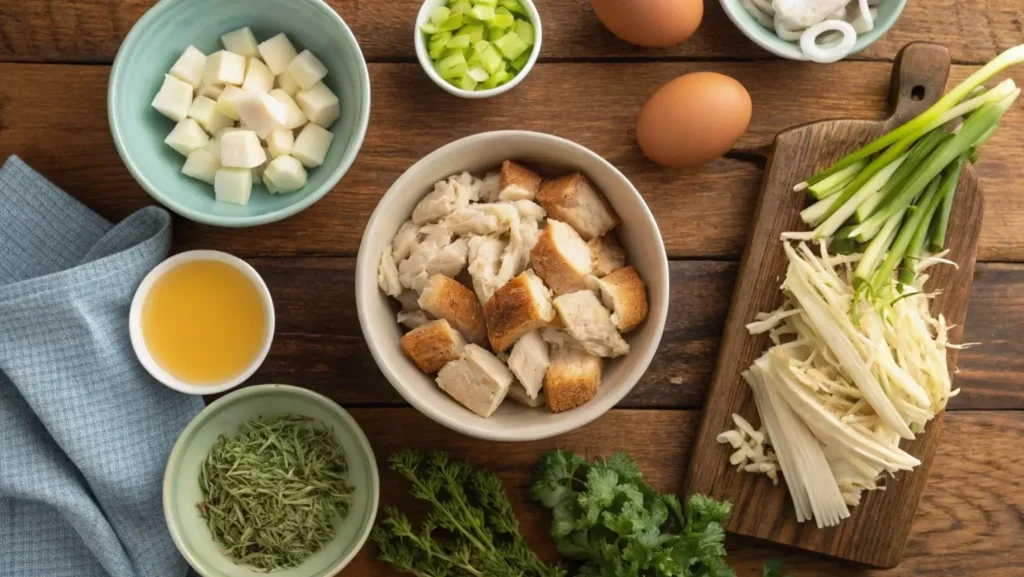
x: 152, y: 47
x: 888, y: 12
x: 225, y: 416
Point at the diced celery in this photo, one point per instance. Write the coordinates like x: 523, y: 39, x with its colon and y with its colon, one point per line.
x: 486, y: 2
x: 436, y: 53
x: 439, y: 14
x: 503, y: 21
x: 474, y: 31
x: 474, y: 60
x: 520, y: 63
x: 439, y: 40
x: 449, y: 62
x: 481, y: 46
x: 455, y: 72
x: 453, y: 51
x: 478, y: 74
x: 491, y: 59
x: 511, y: 45
x: 428, y: 28
x: 459, y: 41
x: 525, y: 31
x: 467, y: 83
x: 482, y: 13
x: 461, y: 7
x: 453, y: 22
x: 514, y: 6
x: 496, y: 79
x: 495, y: 33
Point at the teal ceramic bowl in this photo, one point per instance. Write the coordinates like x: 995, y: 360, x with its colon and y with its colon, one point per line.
x: 152, y: 47
x: 888, y: 12
x: 224, y: 417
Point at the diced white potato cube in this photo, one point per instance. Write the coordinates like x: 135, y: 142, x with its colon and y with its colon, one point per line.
x: 311, y: 145
x: 223, y: 67
x: 241, y: 41
x: 189, y: 66
x: 307, y: 70
x: 204, y: 110
x: 233, y: 185
x: 257, y: 171
x: 287, y: 83
x: 186, y: 137
x: 319, y: 104
x: 286, y: 173
x: 210, y: 90
x: 202, y: 165
x: 241, y: 149
x: 295, y: 116
x: 227, y: 104
x: 174, y: 98
x: 269, y: 184
x: 278, y: 53
x: 262, y: 113
x: 280, y: 142
x: 258, y: 77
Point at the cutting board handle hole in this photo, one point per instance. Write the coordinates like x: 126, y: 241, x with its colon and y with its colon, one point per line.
x: 917, y: 93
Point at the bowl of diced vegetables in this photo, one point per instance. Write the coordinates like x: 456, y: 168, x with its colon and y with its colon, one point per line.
x: 239, y: 112
x: 477, y: 48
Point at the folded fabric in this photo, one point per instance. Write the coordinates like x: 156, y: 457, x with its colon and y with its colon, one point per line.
x: 84, y: 431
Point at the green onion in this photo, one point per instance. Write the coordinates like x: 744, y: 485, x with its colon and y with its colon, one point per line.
x: 908, y: 270
x: 916, y: 219
x: 948, y: 191
x: 847, y: 202
x: 832, y: 184
x: 917, y: 154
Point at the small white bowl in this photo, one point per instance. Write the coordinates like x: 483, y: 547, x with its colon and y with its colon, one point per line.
x: 139, y: 342
x: 428, y: 65
x: 639, y: 234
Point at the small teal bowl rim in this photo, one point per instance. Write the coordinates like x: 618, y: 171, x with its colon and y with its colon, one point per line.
x: 221, y: 404
x: 791, y: 50
x: 352, y: 150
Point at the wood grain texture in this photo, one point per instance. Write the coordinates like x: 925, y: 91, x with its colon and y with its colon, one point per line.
x: 92, y: 30
x: 876, y: 532
x: 55, y: 118
x: 968, y: 523
x: 319, y: 344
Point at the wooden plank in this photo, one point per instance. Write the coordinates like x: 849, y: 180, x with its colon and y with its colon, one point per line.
x: 968, y: 523
x: 57, y: 123
x: 80, y: 31
x: 319, y: 343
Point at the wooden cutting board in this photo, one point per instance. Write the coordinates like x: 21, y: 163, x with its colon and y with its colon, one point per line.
x: 877, y: 531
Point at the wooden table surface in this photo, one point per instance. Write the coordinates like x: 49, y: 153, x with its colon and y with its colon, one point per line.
x: 55, y: 58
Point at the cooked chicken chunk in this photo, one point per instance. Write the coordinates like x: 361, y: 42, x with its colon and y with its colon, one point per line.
x: 490, y: 186
x: 520, y: 306
x: 625, y: 293
x: 587, y: 321
x: 573, y: 199
x: 446, y: 298
x: 561, y: 258
x: 517, y: 393
x: 436, y: 254
x: 412, y: 319
x: 606, y: 256
x: 484, y: 260
x: 477, y: 380
x: 572, y: 378
x: 406, y: 239
x: 518, y: 182
x: 449, y: 194
x: 387, y: 275
x: 433, y: 345
x: 529, y: 210
x: 485, y: 218
x: 529, y: 361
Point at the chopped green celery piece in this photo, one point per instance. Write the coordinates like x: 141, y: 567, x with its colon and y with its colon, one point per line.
x: 461, y: 6
x: 481, y: 46
x: 474, y: 60
x: 454, y: 22
x: 467, y: 83
x: 485, y: 2
x: 491, y: 59
x: 514, y: 6
x: 457, y: 71
x: 525, y: 31
x: 497, y: 79
x: 459, y: 41
x: 520, y: 63
x: 436, y: 53
x: 503, y: 21
x: 440, y: 40
x: 475, y: 32
x: 482, y: 13
x: 439, y: 14
x: 453, y: 51
x: 495, y: 33
x: 511, y: 45
x: 429, y: 28
x: 449, y: 62
x: 478, y: 74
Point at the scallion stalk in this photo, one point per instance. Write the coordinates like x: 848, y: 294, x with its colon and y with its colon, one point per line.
x: 941, y: 219
x: 836, y: 182
x: 915, y: 157
x: 883, y: 276
x: 848, y: 202
x: 876, y: 249
x: 912, y: 256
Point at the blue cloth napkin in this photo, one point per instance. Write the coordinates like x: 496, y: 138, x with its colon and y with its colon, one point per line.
x: 84, y: 431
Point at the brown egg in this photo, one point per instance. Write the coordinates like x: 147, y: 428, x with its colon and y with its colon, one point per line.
x: 693, y: 119
x: 651, y: 23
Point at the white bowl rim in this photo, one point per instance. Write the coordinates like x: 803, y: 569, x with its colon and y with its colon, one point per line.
x: 428, y: 66
x: 139, y: 341
x: 366, y: 281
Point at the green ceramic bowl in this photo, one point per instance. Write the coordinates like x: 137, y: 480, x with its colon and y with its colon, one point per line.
x: 225, y: 416
x: 152, y: 47
x: 888, y: 12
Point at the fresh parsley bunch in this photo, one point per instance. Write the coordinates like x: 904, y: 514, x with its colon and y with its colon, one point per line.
x: 608, y: 518
x: 471, y: 530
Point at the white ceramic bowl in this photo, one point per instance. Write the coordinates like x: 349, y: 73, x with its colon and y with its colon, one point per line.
x: 428, y: 65
x: 639, y: 234
x: 139, y: 342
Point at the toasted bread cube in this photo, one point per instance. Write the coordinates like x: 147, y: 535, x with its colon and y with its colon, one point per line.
x: 606, y: 256
x: 433, y: 345
x: 574, y: 200
x: 277, y: 52
x: 517, y: 182
x: 446, y: 298
x: 190, y: 66
x: 517, y: 393
x: 306, y: 69
x: 529, y: 361
x: 561, y: 258
x: 587, y: 321
x: 572, y: 378
x: 174, y: 98
x: 625, y: 293
x: 477, y: 380
x: 520, y: 306
x: 223, y: 67
x: 258, y: 78
x: 241, y: 41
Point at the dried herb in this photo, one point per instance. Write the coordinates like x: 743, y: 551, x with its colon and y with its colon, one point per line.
x: 272, y: 494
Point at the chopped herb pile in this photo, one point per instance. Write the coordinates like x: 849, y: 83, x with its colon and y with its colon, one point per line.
x: 272, y: 493
x: 471, y: 530
x: 608, y: 518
